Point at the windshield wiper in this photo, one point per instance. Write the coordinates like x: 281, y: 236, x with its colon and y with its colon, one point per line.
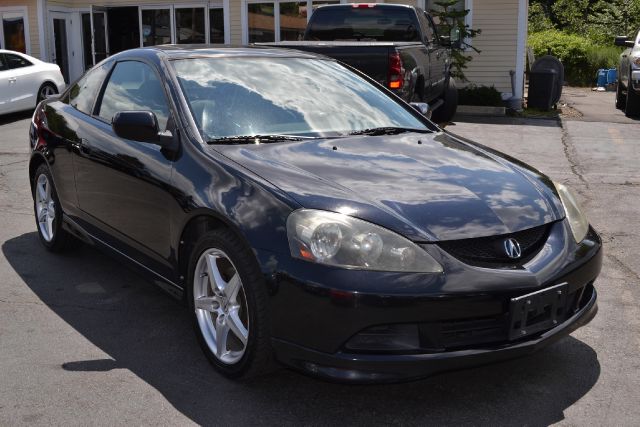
x: 255, y: 139
x: 387, y: 131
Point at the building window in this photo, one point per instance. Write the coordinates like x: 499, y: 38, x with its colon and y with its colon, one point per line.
x: 190, y: 26
x: 293, y: 20
x: 278, y: 20
x: 261, y: 22
x: 12, y: 36
x: 156, y: 26
x: 216, y: 25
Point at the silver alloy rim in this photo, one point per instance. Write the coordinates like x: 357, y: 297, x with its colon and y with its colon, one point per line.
x: 221, y: 306
x: 46, y: 91
x: 45, y: 207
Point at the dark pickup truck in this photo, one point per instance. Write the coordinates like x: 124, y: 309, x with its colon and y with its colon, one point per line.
x: 396, y: 45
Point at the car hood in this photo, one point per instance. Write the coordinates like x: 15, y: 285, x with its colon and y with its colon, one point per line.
x: 427, y: 187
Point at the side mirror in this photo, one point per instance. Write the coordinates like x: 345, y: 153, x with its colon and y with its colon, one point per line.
x: 139, y: 126
x: 624, y: 41
x: 445, y: 41
x: 422, y: 108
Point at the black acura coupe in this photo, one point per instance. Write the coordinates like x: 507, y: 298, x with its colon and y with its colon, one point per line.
x: 308, y: 215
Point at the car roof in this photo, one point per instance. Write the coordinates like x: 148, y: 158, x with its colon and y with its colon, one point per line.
x: 173, y: 51
x: 365, y: 6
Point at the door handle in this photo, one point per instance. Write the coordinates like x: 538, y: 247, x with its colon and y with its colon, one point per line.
x: 12, y: 79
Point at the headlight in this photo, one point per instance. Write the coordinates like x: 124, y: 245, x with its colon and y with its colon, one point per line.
x: 636, y: 61
x: 335, y: 239
x: 577, y: 221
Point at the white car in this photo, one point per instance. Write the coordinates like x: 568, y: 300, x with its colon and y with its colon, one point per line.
x: 25, y: 81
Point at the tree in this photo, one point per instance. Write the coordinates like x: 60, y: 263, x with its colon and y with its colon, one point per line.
x: 450, y: 15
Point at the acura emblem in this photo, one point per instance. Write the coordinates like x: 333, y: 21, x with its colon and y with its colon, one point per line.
x: 512, y: 248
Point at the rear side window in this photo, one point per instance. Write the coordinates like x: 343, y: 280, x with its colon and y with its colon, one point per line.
x: 378, y: 23
x: 15, y: 61
x: 84, y: 92
x: 134, y: 85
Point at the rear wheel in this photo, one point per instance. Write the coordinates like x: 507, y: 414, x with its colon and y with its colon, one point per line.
x: 632, y: 108
x: 45, y: 90
x: 48, y: 212
x: 445, y: 113
x: 228, y: 302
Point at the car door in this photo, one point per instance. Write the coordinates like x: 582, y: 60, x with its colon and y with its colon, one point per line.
x: 438, y: 59
x: 21, y: 94
x: 123, y: 186
x: 4, y: 85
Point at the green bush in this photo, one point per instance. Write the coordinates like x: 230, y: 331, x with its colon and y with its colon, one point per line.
x: 581, y: 59
x: 480, y: 95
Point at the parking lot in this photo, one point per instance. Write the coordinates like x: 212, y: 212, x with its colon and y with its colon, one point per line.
x: 83, y: 340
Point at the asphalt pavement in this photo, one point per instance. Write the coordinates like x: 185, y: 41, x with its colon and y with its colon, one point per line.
x: 85, y: 341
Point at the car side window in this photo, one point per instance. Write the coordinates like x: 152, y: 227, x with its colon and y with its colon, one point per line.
x: 15, y: 61
x: 3, y: 63
x: 134, y: 85
x: 425, y: 24
x: 83, y: 93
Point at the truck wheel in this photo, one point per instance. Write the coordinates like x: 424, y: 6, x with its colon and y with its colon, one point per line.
x: 621, y: 100
x: 632, y: 108
x: 445, y: 113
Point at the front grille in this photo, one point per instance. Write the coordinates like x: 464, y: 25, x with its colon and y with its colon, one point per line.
x: 490, y: 250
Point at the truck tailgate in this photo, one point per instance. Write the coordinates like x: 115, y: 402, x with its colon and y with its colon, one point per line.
x: 371, y: 58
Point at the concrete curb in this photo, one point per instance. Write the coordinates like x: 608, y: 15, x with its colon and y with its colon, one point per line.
x: 481, y: 110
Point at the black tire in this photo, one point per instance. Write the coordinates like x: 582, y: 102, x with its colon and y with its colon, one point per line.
x: 61, y: 239
x: 621, y: 99
x: 257, y: 358
x: 445, y: 113
x: 45, y: 89
x: 632, y: 108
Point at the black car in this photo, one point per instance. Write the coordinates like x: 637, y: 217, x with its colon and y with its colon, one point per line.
x: 628, y: 92
x: 308, y: 215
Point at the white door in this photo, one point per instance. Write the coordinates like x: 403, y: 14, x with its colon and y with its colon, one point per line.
x: 99, y: 34
x: 16, y: 86
x: 60, y: 42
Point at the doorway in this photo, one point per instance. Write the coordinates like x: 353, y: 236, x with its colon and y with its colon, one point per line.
x: 60, y: 23
x: 124, y: 28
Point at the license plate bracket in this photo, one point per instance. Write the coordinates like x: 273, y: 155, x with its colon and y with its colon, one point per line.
x: 537, y: 311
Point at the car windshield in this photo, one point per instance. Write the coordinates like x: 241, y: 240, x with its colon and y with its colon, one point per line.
x: 235, y: 97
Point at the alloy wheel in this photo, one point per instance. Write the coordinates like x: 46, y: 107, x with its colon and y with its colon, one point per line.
x: 45, y: 208
x: 46, y: 91
x: 221, y: 306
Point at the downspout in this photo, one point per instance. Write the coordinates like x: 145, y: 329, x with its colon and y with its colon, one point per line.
x: 42, y: 35
x: 518, y: 79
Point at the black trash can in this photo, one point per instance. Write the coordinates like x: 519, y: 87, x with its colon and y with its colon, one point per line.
x: 542, y: 87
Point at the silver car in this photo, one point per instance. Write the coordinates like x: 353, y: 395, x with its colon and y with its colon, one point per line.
x: 628, y: 94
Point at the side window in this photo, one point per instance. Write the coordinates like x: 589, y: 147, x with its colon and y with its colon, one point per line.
x: 15, y: 61
x: 3, y: 63
x: 83, y: 93
x: 432, y: 30
x: 427, y: 30
x: 134, y: 85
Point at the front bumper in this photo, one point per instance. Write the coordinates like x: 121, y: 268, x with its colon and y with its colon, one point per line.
x: 365, y: 368
x: 635, y: 80
x: 461, y: 315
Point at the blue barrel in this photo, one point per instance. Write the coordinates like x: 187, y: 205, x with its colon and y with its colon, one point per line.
x: 602, y: 77
x: 612, y: 76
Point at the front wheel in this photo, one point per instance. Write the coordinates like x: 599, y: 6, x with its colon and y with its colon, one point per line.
x: 632, y: 108
x: 228, y: 301
x: 621, y: 100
